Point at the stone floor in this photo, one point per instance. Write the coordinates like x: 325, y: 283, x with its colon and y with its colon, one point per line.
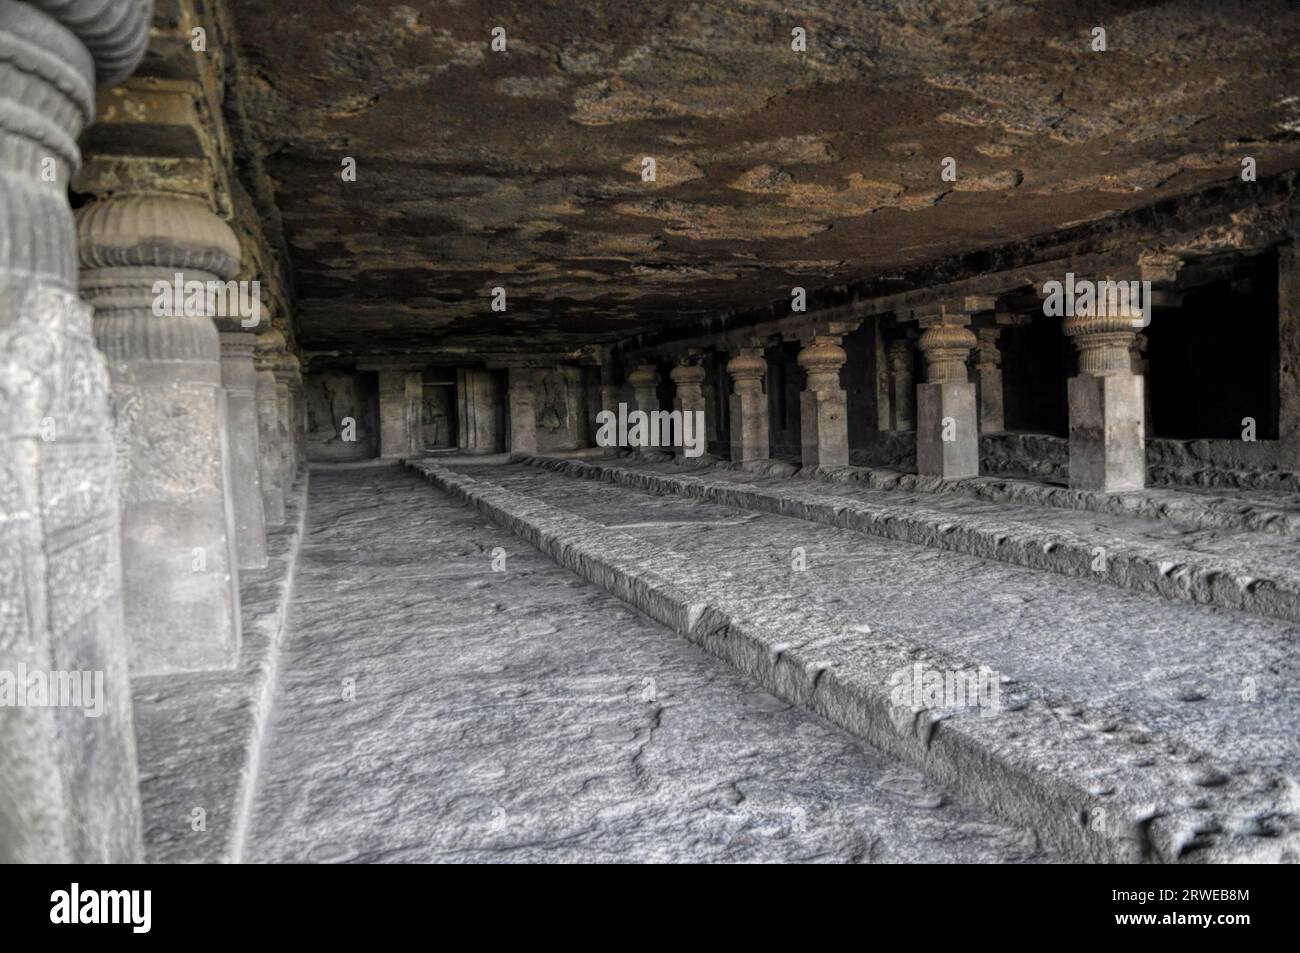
x: 430, y: 708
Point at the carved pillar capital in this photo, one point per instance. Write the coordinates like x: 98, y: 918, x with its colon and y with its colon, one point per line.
x: 821, y: 360
x: 748, y: 364
x: 1103, y: 341
x: 946, y: 348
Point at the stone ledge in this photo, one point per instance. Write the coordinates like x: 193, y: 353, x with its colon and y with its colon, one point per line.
x: 1130, y: 564
x: 1185, y: 509
x: 1091, y: 785
x: 199, y: 734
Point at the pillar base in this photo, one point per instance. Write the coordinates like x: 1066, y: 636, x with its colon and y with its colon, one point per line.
x: 955, y: 458
x: 1107, y: 436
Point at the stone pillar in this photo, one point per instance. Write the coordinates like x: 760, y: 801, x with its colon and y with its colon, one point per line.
x: 688, y: 397
x: 645, y: 384
x: 748, y: 406
x: 903, y: 398
x: 1139, y: 365
x: 282, y: 368
x: 884, y: 386
x: 289, y: 398
x: 269, y: 442
x: 298, y: 416
x: 1288, y: 321
x: 947, y: 418
x: 180, y: 571
x: 480, y: 411
x: 1107, y: 436
x: 823, y: 405
x: 68, y: 786
x: 988, y: 379
x: 523, y: 411
x: 400, y: 393
x: 609, y: 389
x: 239, y: 377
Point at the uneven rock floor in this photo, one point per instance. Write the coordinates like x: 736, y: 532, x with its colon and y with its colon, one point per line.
x: 527, y: 715
x: 1222, y: 681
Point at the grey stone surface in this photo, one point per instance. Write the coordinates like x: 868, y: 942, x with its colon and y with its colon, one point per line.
x: 1107, y: 437
x: 179, y: 562
x: 67, y: 782
x: 481, y: 407
x: 1109, y: 747
x: 1226, y: 508
x: 200, y: 733
x: 239, y: 380
x: 747, y: 405
x: 525, y: 715
x: 399, y: 413
x: 268, y: 441
x: 823, y: 405
x: 1255, y: 572
x: 522, y: 404
x: 947, y: 430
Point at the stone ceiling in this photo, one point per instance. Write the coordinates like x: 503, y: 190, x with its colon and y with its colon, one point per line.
x: 775, y: 168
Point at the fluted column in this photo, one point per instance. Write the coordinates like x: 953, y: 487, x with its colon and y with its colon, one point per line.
x: 270, y: 446
x: 748, y: 406
x: 688, y: 397
x: 903, y: 382
x: 988, y: 373
x: 523, y: 410
x: 179, y: 564
x: 645, y: 385
x: 68, y: 787
x: 823, y: 405
x: 239, y: 377
x: 1107, y: 433
x: 947, y: 418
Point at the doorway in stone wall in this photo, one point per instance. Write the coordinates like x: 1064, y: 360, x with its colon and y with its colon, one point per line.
x: 438, y: 415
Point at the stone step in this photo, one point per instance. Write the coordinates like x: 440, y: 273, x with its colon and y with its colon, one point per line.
x: 512, y: 712
x: 1252, y: 572
x: 1247, y: 510
x: 1091, y: 781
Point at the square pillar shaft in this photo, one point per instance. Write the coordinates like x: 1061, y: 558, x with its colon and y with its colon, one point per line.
x: 947, y: 424
x: 823, y: 405
x: 988, y: 373
x: 1288, y: 320
x: 400, y: 393
x: 1107, y: 403
x: 239, y: 377
x: 748, y: 406
x: 688, y: 399
x: 523, y: 411
x: 1107, y: 435
x: 903, y: 383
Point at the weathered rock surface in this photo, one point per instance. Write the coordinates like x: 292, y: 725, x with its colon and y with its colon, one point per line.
x: 1176, y: 746
x: 774, y: 168
x: 526, y: 715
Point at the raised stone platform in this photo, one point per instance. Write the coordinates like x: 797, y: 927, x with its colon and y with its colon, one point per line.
x: 1231, y: 568
x: 437, y: 704
x: 199, y: 734
x: 1131, y: 728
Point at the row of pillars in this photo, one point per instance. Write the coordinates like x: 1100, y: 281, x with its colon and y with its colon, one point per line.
x: 947, y: 410
x: 208, y: 423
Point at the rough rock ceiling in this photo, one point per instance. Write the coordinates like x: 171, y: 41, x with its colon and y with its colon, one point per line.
x: 775, y: 168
